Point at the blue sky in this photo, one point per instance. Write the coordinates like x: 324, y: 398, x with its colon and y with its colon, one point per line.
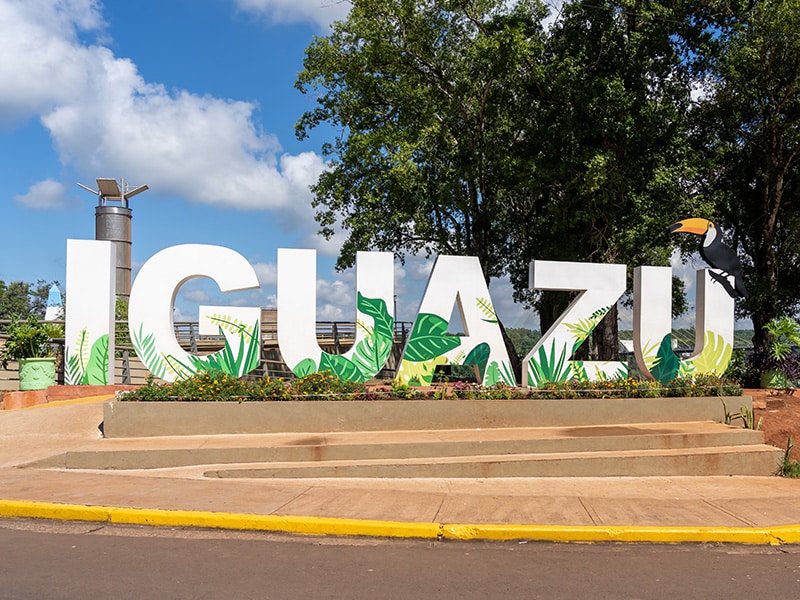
x: 194, y: 98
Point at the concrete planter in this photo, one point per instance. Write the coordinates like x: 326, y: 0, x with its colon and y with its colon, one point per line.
x: 141, y: 419
x: 36, y: 373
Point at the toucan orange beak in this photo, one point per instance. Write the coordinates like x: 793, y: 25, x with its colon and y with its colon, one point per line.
x: 695, y: 225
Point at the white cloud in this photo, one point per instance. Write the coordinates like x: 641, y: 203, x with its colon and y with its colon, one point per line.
x: 321, y: 12
x: 194, y: 294
x: 43, y: 195
x: 267, y: 273
x: 41, y: 63
x: 104, y: 117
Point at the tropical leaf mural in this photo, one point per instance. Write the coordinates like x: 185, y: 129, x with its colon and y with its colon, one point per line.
x: 425, y: 349
x: 479, y: 356
x: 370, y: 353
x: 96, y: 372
x: 715, y: 356
x: 87, y: 365
x: 551, y: 366
x: 418, y: 373
x: 667, y: 364
x: 429, y: 339
x: 487, y: 308
x: 584, y: 327
x: 145, y: 346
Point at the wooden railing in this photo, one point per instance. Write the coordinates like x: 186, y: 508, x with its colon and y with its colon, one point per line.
x: 333, y: 336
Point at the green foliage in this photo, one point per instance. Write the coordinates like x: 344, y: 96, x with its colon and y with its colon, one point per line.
x: 784, y: 335
x: 706, y: 385
x: 29, y: 339
x: 790, y: 468
x: 20, y: 299
x: 739, y: 369
x: 523, y: 339
x: 324, y: 385
x: 217, y: 386
x: 425, y: 96
x: 747, y: 129
x: 745, y: 414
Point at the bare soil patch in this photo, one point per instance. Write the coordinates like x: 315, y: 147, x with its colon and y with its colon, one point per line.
x: 779, y: 411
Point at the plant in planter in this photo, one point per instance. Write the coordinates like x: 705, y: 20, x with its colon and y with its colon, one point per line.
x: 778, y: 362
x: 30, y: 344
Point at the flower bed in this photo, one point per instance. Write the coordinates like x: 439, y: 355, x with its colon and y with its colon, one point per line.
x: 216, y: 386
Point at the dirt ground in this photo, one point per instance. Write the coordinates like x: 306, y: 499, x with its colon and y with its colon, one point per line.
x: 779, y: 411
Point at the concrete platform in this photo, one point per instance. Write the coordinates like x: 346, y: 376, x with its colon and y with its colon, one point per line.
x: 738, y: 508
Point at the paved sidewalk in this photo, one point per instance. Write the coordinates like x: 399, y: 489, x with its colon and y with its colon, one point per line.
x: 670, y: 509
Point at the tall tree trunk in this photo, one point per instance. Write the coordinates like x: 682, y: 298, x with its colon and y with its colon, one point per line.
x: 606, y: 336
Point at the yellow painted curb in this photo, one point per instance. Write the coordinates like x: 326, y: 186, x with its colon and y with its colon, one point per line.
x: 788, y: 534
x: 589, y: 533
x: 72, y: 401
x: 219, y: 520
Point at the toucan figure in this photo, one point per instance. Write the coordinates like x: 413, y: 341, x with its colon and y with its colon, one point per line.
x: 716, y: 254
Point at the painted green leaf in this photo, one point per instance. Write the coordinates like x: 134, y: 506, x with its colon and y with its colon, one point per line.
x: 372, y: 352
x: 507, y: 374
x: 715, y: 356
x: 549, y: 367
x: 667, y: 364
x: 418, y: 373
x: 97, y: 368
x: 492, y: 375
x: 429, y: 339
x: 145, y: 346
x: 583, y: 328
x: 72, y: 369
x: 479, y: 356
x: 340, y: 366
x: 486, y: 307
x: 305, y: 367
x: 376, y: 308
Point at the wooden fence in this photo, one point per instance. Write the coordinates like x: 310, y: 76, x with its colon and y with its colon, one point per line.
x: 333, y: 336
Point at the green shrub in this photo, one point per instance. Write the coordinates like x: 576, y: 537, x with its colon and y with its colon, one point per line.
x: 216, y: 386
x: 325, y: 386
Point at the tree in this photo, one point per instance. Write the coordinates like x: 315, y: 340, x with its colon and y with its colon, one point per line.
x: 20, y: 299
x: 610, y: 153
x: 748, y: 127
x: 429, y: 96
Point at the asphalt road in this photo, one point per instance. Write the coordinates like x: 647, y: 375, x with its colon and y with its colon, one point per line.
x: 51, y: 560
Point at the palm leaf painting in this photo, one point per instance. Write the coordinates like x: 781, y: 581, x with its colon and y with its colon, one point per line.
x: 145, y: 346
x: 583, y: 328
x: 715, y: 356
x: 649, y: 355
x: 550, y: 366
x: 72, y: 368
x: 486, y: 307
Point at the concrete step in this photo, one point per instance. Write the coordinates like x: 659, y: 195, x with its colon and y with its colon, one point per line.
x: 758, y: 460
x: 346, y: 452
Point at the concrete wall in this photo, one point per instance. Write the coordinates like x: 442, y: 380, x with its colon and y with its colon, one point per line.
x: 140, y: 419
